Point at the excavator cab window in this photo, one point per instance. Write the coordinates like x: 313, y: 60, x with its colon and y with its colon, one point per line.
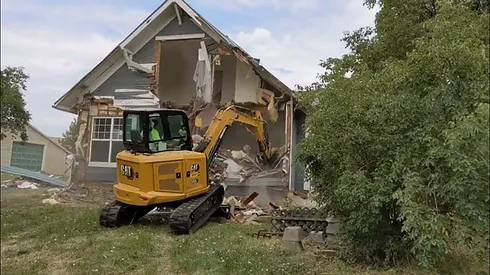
x: 156, y: 131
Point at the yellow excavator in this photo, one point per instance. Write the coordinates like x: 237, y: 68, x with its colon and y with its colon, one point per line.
x: 159, y: 168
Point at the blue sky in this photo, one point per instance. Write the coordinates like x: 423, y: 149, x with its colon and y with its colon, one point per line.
x: 58, y: 42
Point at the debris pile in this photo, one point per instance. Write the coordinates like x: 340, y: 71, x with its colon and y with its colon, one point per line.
x: 91, y: 193
x: 245, y: 211
x: 242, y: 166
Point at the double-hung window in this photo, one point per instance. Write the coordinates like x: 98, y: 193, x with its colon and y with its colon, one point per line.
x: 106, y: 141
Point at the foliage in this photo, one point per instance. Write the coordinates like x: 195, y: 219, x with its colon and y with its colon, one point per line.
x: 14, y: 116
x: 399, y: 150
x: 70, y: 137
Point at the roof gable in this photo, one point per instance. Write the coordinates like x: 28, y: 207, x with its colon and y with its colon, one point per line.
x: 48, y: 138
x: 164, y: 15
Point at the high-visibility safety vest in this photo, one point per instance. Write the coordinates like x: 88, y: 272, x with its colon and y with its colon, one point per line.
x: 154, y: 134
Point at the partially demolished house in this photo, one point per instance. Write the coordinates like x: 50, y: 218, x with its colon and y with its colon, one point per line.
x: 177, y: 59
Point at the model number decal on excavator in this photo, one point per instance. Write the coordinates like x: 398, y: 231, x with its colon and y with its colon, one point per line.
x: 126, y: 170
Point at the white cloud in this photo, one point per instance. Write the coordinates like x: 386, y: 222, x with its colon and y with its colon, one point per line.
x: 292, y: 50
x: 293, y: 5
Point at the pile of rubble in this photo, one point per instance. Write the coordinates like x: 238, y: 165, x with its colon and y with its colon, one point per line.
x: 240, y: 165
x: 245, y: 210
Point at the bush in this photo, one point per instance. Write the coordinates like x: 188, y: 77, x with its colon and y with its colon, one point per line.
x: 399, y: 150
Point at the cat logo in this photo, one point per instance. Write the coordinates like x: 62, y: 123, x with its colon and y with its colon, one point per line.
x: 126, y: 170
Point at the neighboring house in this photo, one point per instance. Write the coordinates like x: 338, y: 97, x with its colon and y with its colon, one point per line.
x: 39, y: 153
x: 167, y: 61
x: 56, y: 140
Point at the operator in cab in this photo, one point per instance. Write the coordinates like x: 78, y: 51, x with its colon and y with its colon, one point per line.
x: 154, y: 135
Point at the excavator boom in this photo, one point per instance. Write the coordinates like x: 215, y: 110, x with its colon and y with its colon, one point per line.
x: 223, y: 119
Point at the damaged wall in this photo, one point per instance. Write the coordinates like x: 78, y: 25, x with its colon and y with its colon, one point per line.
x: 147, y: 53
x: 247, y: 83
x: 228, y: 66
x: 237, y: 135
x: 124, y: 78
x: 178, y: 59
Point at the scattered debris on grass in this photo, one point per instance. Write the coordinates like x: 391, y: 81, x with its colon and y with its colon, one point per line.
x: 245, y: 210
x: 24, y: 183
x: 50, y: 201
x: 93, y: 193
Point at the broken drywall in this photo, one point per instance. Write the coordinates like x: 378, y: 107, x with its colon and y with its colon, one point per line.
x: 247, y: 83
x: 202, y: 74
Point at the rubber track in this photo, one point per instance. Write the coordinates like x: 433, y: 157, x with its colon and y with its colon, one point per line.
x: 109, y: 215
x: 117, y: 214
x: 181, y: 217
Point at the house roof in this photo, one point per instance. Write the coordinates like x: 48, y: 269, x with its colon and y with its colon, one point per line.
x: 48, y: 138
x: 69, y: 100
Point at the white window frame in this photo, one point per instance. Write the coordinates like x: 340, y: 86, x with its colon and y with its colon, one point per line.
x: 107, y: 164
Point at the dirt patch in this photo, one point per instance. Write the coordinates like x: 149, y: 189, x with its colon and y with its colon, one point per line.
x: 74, y: 243
x: 17, y: 252
x: 87, y: 194
x: 59, y: 265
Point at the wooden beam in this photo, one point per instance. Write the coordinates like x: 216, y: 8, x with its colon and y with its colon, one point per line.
x: 180, y: 37
x: 156, y: 74
x: 177, y: 12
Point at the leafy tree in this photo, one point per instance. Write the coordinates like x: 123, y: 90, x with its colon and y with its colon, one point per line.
x: 14, y: 116
x: 399, y: 150
x: 70, y: 137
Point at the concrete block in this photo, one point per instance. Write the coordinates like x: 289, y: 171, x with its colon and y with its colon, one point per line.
x: 332, y: 241
x: 317, y: 237
x: 293, y: 246
x: 293, y: 233
x: 333, y: 226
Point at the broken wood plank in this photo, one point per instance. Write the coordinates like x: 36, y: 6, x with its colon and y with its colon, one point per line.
x: 250, y: 198
x: 273, y: 205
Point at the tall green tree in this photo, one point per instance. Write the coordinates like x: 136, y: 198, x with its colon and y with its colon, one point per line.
x: 70, y: 137
x: 399, y: 150
x: 14, y: 115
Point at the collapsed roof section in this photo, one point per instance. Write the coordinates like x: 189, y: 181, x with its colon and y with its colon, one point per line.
x: 162, y: 16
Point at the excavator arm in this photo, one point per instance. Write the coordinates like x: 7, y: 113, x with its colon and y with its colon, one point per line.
x: 223, y: 119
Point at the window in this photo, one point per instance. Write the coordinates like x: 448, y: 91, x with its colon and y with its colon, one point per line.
x: 170, y: 132
x: 133, y: 129
x: 165, y: 132
x: 107, y: 141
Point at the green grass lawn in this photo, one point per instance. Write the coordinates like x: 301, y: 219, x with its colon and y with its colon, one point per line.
x: 63, y: 239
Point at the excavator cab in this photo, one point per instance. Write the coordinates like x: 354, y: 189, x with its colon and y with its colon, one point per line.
x: 155, y: 131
